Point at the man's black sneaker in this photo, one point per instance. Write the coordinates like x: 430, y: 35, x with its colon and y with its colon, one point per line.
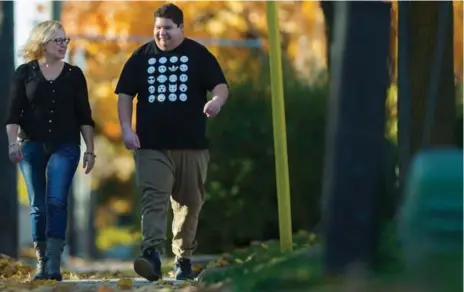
x: 148, y: 265
x: 183, y: 267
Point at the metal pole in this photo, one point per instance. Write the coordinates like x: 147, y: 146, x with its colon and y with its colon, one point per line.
x: 8, y: 171
x: 280, y: 130
x: 56, y: 8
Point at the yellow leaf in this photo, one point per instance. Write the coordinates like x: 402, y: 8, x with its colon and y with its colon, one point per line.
x: 125, y: 283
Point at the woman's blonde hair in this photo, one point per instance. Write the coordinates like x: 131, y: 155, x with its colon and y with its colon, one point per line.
x: 40, y: 34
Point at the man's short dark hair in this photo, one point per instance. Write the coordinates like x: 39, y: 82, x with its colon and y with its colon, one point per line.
x: 172, y: 12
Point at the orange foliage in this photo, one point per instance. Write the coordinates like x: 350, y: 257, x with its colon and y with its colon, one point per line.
x: 303, y: 42
x: 301, y: 23
x: 101, y: 30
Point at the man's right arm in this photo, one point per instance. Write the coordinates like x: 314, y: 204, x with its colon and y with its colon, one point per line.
x: 127, y: 89
x: 125, y: 111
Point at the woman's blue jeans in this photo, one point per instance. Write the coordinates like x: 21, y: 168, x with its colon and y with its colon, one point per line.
x: 48, y: 170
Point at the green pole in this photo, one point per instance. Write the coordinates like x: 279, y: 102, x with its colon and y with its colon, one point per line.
x: 56, y: 10
x: 279, y: 128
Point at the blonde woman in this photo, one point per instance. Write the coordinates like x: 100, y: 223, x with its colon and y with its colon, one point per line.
x: 48, y: 110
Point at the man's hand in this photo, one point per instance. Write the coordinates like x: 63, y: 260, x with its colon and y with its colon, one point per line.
x: 212, y: 108
x: 131, y: 140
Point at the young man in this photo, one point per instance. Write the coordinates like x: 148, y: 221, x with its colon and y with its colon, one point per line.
x: 171, y: 77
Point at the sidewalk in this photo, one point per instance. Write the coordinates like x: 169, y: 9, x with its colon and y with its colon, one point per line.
x: 103, y: 276
x: 77, y: 265
x: 119, y: 274
x: 125, y: 283
x: 110, y: 275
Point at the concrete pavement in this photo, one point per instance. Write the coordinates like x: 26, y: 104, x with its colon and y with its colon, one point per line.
x: 132, y: 283
x: 116, y: 281
x: 114, y: 275
x: 82, y: 266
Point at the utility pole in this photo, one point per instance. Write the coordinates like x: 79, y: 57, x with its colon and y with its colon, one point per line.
x: 8, y: 171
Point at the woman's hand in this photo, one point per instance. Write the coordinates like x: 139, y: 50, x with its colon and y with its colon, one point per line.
x: 14, y: 152
x: 88, y: 161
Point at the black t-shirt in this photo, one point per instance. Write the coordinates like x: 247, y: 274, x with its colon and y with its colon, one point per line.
x: 171, y: 89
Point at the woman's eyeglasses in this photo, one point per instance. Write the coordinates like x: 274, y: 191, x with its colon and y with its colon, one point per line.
x: 60, y: 41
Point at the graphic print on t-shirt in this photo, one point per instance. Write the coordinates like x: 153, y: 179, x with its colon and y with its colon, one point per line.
x: 167, y: 79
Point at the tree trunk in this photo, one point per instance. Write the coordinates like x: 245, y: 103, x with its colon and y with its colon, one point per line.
x: 423, y: 21
x: 8, y: 182
x: 418, y: 24
x: 355, y: 157
x: 329, y: 13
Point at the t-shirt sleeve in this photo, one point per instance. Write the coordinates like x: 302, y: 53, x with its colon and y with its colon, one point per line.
x: 127, y: 83
x: 212, y: 75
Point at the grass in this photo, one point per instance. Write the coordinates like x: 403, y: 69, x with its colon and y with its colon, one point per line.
x: 282, y: 272
x: 262, y: 267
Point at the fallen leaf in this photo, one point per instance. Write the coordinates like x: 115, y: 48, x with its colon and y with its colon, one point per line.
x: 105, y: 289
x: 125, y: 283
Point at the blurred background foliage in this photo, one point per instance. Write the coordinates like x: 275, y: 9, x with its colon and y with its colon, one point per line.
x: 241, y: 180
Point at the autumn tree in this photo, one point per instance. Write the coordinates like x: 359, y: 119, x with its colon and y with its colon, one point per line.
x: 108, y: 32
x: 101, y: 30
